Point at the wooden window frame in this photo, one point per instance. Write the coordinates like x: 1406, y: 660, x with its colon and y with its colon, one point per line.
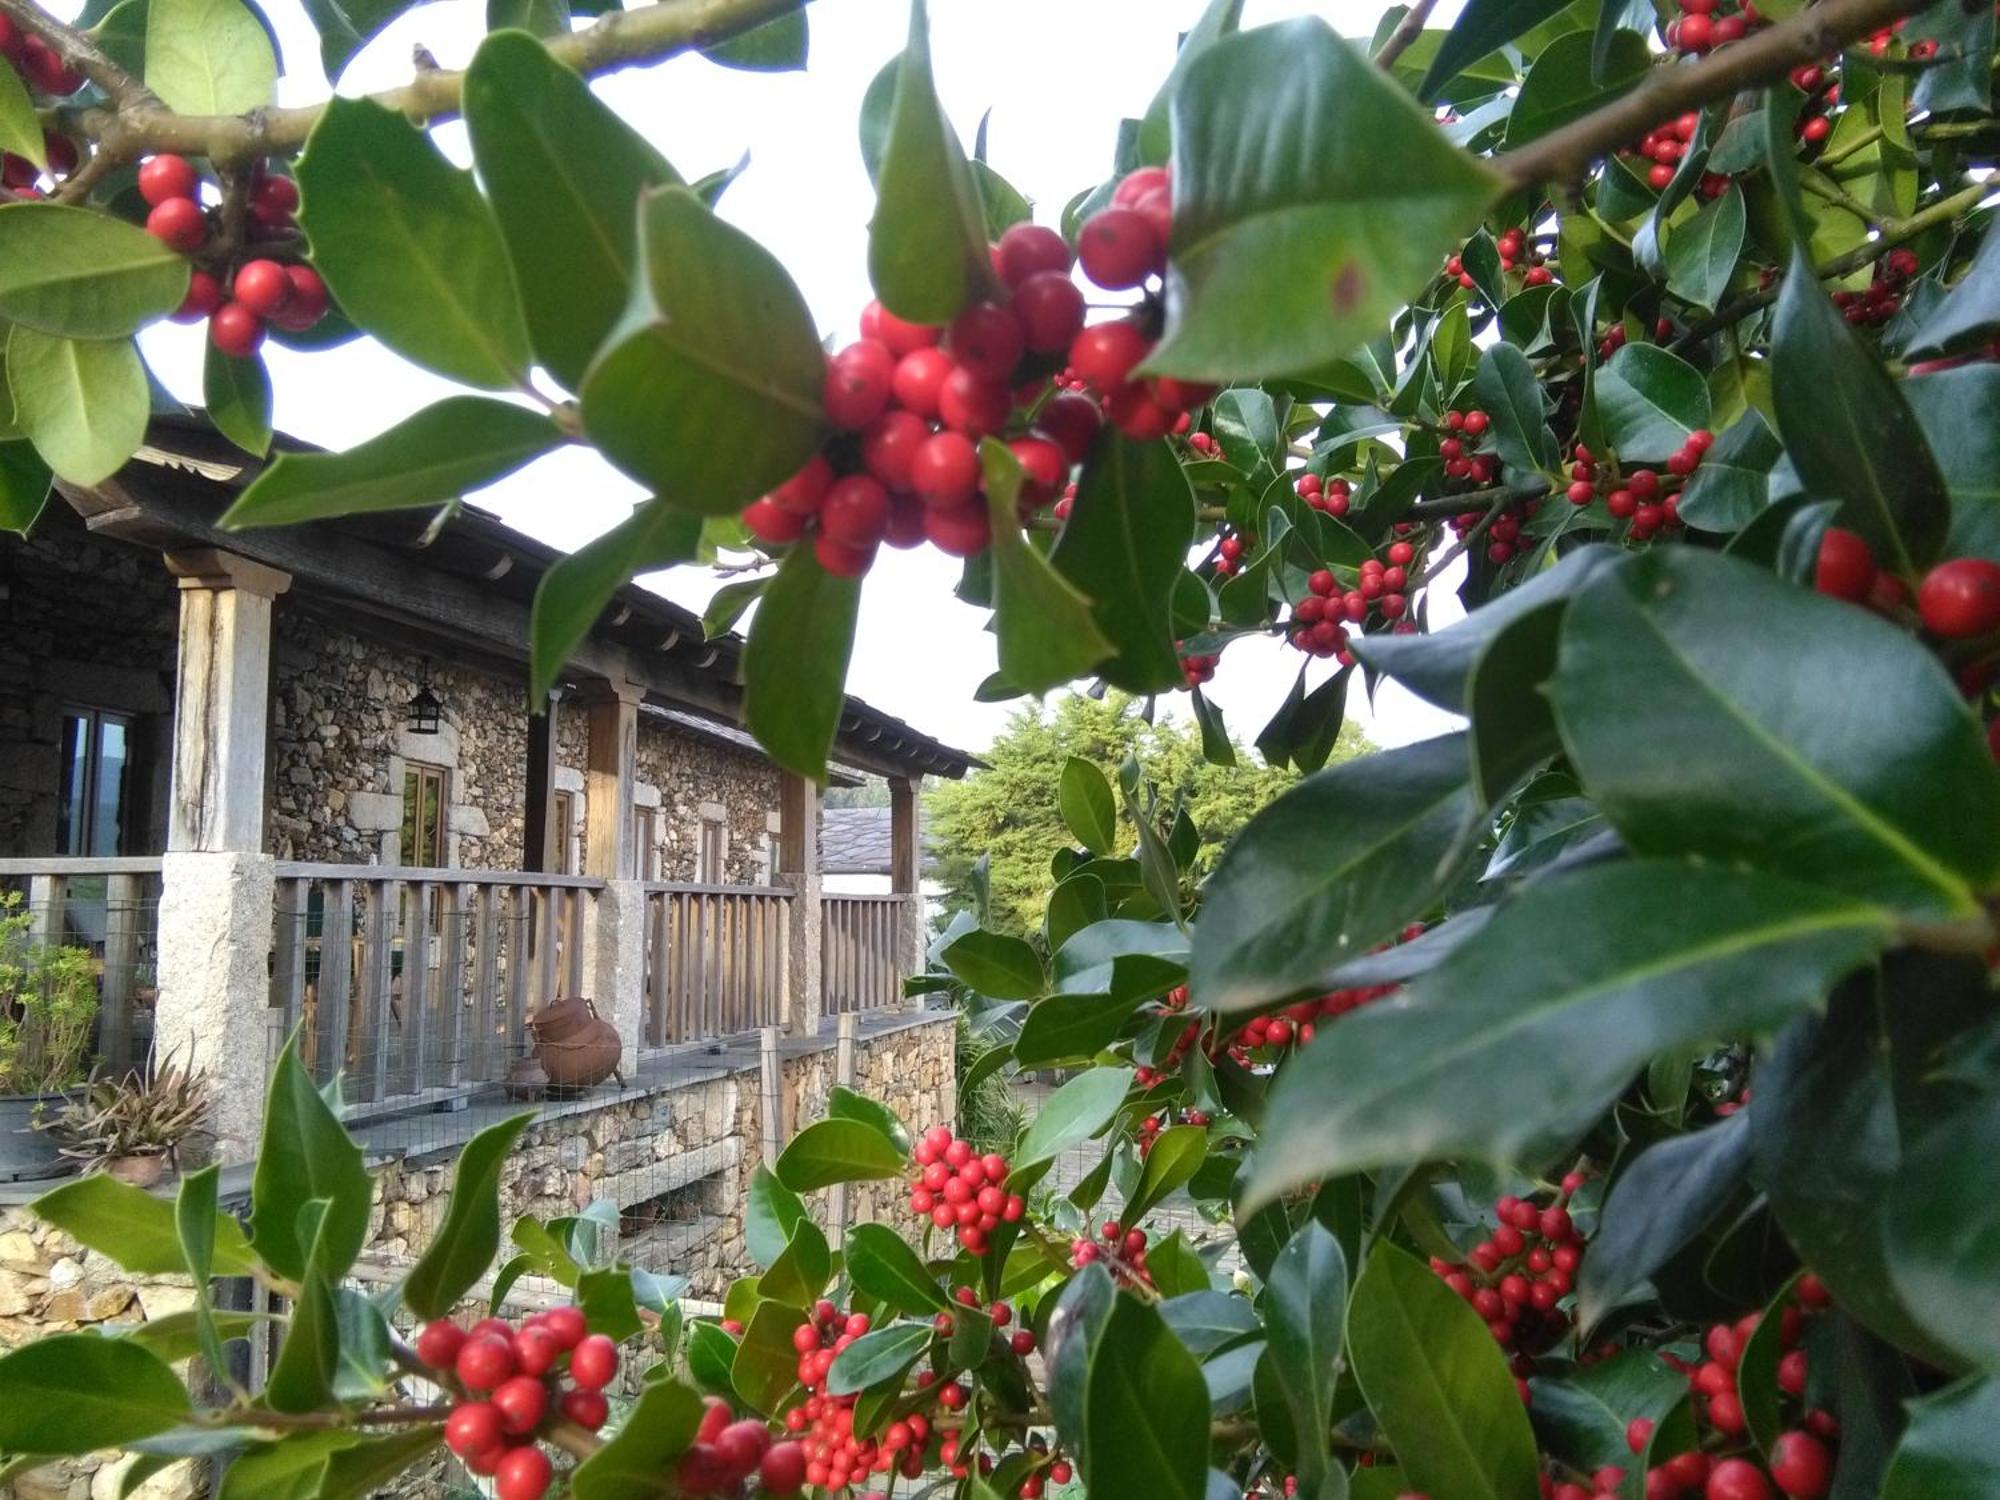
x: 417, y: 775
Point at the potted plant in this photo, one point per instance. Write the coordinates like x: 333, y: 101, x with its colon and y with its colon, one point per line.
x: 131, y: 1128
x: 48, y: 1002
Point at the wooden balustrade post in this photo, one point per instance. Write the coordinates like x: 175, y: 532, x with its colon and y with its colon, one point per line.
x: 906, y: 867
x: 799, y: 869
x: 615, y: 936
x: 217, y: 885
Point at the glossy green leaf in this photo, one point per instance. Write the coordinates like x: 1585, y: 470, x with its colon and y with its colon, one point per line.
x: 1437, y: 1384
x: 718, y: 339
x: 880, y: 1264
x: 411, y: 251
x: 1176, y: 1155
x: 1944, y: 1233
x: 25, y: 481
x: 1330, y: 868
x: 465, y: 1243
x: 564, y: 173
x: 236, y: 393
x: 1563, y: 85
x: 1951, y: 407
x: 306, y: 1155
x: 927, y: 254
x: 1483, y: 26
x: 1513, y: 730
x: 1581, y: 1417
x: 1071, y: 1028
x: 1702, y: 253
x: 1145, y: 1410
x: 1733, y: 485
x: 1089, y: 809
x: 77, y: 1393
x: 778, y: 46
x: 83, y: 403
x: 874, y: 1357
x: 1969, y: 313
x: 541, y: 18
x: 830, y: 1151
x: 1305, y: 1311
x: 799, y: 1275
x: 1608, y: 965
x: 1006, y: 968
x: 195, y: 1219
x: 574, y: 591
x: 843, y: 1103
x: 1951, y: 1449
x: 77, y: 273
x: 20, y: 126
x: 766, y: 1364
x: 1218, y: 19
x: 1668, y: 1195
x: 302, y: 1374
x: 1511, y: 394
x: 461, y: 443
x: 209, y: 57
x: 1288, y: 146
x: 1123, y: 547
x: 1073, y: 1114
x: 1047, y: 630
x: 134, y: 1229
x: 661, y: 1428
x: 1808, y: 738
x: 795, y: 665
x: 771, y: 1213
x: 1649, y: 401
x: 1849, y: 431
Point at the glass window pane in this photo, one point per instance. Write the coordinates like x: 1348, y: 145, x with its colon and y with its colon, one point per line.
x: 74, y: 807
x: 106, y: 824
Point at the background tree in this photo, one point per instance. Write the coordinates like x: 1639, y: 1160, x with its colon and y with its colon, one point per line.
x: 1009, y: 814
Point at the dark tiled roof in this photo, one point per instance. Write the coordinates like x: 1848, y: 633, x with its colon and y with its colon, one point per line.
x: 855, y: 841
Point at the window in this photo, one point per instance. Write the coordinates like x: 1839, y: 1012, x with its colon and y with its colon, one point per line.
x: 424, y: 804
x: 562, y: 836
x: 645, y: 851
x: 96, y: 759
x: 714, y: 844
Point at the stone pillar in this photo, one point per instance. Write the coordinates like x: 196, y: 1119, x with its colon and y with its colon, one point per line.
x: 217, y: 883
x: 906, y: 866
x: 615, y: 957
x: 798, y: 868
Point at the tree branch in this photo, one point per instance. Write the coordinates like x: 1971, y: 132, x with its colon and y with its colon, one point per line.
x: 1673, y: 90
x: 80, y: 52
x: 1407, y: 31
x: 617, y: 39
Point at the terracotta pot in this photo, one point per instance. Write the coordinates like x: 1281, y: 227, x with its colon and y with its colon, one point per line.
x: 587, y: 1057
x: 562, y: 1020
x: 139, y: 1171
x: 525, y: 1078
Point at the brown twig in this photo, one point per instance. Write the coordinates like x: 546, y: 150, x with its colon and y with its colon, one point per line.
x: 1407, y: 31
x: 617, y: 39
x: 1672, y: 90
x: 78, y: 50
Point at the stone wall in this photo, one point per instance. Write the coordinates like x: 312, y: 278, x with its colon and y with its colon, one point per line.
x: 88, y: 622
x: 697, y: 779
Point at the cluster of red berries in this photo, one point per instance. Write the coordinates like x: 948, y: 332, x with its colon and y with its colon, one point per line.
x: 1919, y: 51
x: 1815, y: 118
x: 1319, y: 621
x: 726, y: 1452
x: 913, y: 400
x: 1198, y: 668
x: 1459, y: 448
x: 957, y: 1188
x: 1640, y: 497
x: 261, y: 292
x: 1958, y: 600
x: 510, y: 1383
x: 1333, y: 496
x: 831, y: 1455
x: 1124, y: 1251
x: 1298, y: 1023
x: 1150, y: 1127
x: 1883, y: 298
x: 1516, y: 254
x: 1703, y: 25
x: 1146, y: 1076
x: 1515, y: 1277
x: 1801, y: 1460
x: 41, y: 67
x: 1021, y: 1340
x: 1663, y: 147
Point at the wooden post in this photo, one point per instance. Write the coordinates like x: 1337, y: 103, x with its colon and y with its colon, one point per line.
x: 798, y: 865
x: 124, y: 922
x: 906, y: 866
x: 539, y: 849
x: 843, y: 1074
x: 772, y: 1104
x: 612, y: 712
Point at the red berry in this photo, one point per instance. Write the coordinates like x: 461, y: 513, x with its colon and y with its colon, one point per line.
x: 855, y: 512
x: 971, y: 404
x: 439, y: 1343
x: 986, y: 339
x: 783, y: 1471
x: 1105, y: 354
x: 841, y: 560
x: 535, y: 1350
x: 1737, y: 1479
x: 1638, y: 1433
x: 1961, y: 598
x: 523, y: 1474
x: 474, y: 1427
x: 277, y: 196
x: 1846, y: 568
x: 485, y: 1361
x: 1801, y: 1466
x: 262, y: 286
x: 308, y: 301
x: 46, y: 70
x: 566, y: 1323
x: 1133, y: 412
x: 1073, y: 422
x: 944, y: 472
x: 236, y: 330
x: 1696, y: 34
x: 588, y: 1409
x: 1135, y: 185
x: 771, y: 524
x: 179, y: 224
x: 167, y: 176
x: 1027, y: 250
x: 522, y: 1403
x: 1049, y: 309
x: 593, y: 1362
x: 1119, y: 248
x: 1045, y: 468
x: 857, y: 384
x: 958, y: 531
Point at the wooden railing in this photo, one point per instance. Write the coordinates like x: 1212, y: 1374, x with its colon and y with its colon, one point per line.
x: 716, y: 960
x: 861, y: 951
x: 413, y: 982
x: 110, y: 907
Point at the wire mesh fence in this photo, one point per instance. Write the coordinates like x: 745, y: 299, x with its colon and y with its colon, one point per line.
x: 79, y: 954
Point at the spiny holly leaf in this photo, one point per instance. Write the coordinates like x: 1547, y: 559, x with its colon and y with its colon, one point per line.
x: 1611, y: 964
x: 1483, y: 26
x: 463, y: 1248
x: 412, y: 252
x: 1288, y: 147
x: 563, y: 171
x: 461, y: 443
x: 1047, y: 633
x: 795, y: 664
x: 708, y: 389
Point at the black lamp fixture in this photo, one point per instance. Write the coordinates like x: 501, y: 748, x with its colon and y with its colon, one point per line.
x: 426, y: 708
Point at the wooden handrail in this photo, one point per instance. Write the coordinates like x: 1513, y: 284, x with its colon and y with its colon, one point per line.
x: 698, y: 888
x: 77, y: 864
x: 435, y: 875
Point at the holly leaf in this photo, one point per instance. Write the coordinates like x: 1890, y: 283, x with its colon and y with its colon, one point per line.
x: 577, y: 587
x: 795, y: 662
x: 1649, y: 401
x: 209, y: 57
x: 1484, y: 26
x: 1048, y: 634
x: 83, y: 403
x: 74, y: 1393
x: 76, y: 273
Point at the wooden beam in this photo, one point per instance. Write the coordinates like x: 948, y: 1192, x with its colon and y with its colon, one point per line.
x: 905, y: 858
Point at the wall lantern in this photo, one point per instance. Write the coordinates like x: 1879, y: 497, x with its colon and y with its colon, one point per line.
x: 426, y: 707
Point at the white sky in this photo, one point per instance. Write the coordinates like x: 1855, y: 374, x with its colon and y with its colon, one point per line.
x: 1057, y: 75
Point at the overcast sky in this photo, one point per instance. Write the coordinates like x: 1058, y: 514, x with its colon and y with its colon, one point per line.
x: 1056, y: 74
